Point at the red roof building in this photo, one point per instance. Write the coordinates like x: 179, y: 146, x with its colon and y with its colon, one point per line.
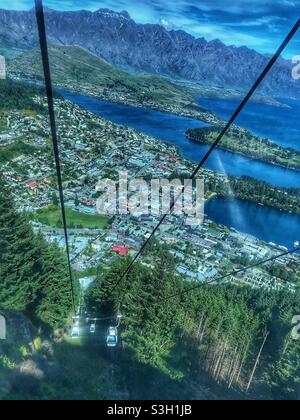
x: 34, y: 185
x: 123, y: 251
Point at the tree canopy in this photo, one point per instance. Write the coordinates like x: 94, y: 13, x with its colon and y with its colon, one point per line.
x: 34, y: 275
x: 219, y: 329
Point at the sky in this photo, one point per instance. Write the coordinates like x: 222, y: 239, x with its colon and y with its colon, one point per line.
x: 258, y: 24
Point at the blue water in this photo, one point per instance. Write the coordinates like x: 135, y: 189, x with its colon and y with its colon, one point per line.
x: 264, y: 223
x: 172, y: 128
x: 282, y: 125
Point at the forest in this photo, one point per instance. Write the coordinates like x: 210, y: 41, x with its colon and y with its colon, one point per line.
x: 256, y: 191
x: 17, y: 96
x: 238, y: 336
x: 34, y: 275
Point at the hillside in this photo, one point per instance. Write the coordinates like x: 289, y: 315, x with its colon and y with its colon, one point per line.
x: 17, y: 96
x: 75, y: 69
x: 34, y: 366
x: 150, y: 48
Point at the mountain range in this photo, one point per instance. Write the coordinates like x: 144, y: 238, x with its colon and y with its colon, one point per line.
x: 148, y: 48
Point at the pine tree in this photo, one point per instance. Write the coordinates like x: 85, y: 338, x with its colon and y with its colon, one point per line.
x: 54, y: 199
x: 237, y: 335
x: 54, y: 302
x: 20, y: 260
x: 33, y: 275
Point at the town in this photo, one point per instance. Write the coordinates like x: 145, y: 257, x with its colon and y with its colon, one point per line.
x: 92, y: 149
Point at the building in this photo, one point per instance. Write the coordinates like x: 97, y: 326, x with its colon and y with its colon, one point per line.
x: 33, y: 185
x: 123, y: 251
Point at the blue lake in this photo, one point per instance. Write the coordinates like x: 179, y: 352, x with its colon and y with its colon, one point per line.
x: 172, y: 128
x: 262, y: 222
x: 280, y: 124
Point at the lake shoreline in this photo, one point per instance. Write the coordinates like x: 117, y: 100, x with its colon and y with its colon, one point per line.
x: 237, y: 152
x: 236, y: 213
x: 277, y: 124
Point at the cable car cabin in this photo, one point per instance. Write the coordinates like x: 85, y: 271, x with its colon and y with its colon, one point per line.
x: 112, y: 337
x: 75, y: 333
x: 2, y: 327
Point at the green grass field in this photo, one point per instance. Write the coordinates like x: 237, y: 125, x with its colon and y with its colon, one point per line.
x: 16, y: 149
x: 51, y: 216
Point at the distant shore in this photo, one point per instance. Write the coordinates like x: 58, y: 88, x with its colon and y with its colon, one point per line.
x: 243, y: 143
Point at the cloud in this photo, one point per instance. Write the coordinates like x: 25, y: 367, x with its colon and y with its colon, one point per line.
x: 165, y: 23
x: 289, y: 3
x: 211, y: 32
x: 16, y: 4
